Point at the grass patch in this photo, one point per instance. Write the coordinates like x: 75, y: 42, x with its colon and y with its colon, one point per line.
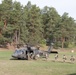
x: 36, y: 67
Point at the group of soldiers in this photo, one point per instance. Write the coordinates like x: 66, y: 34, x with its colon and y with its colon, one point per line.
x: 72, y: 58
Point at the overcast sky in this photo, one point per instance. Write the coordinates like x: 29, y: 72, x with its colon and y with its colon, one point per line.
x: 61, y: 6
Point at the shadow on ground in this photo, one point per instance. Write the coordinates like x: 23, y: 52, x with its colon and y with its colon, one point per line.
x: 72, y: 74
x: 17, y: 59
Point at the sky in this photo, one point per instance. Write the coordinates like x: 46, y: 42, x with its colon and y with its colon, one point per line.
x: 61, y: 6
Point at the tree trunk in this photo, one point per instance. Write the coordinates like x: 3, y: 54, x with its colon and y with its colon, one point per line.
x: 62, y: 40
x: 18, y: 36
x: 15, y: 37
x: 5, y: 23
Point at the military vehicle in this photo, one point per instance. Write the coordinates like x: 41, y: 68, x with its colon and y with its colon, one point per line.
x: 20, y: 54
x: 33, y: 52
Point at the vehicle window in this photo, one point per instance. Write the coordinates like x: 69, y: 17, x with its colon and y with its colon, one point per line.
x: 22, y: 52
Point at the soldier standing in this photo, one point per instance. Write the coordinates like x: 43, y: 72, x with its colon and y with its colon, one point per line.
x: 72, y: 59
x: 64, y: 58
x: 56, y: 57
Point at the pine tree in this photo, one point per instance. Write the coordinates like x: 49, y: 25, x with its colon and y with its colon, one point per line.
x: 34, y: 25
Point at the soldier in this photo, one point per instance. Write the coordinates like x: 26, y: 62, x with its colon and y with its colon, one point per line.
x: 64, y: 58
x: 56, y: 56
x: 72, y: 59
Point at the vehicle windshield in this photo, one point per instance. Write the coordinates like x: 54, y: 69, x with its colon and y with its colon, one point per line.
x: 18, y: 51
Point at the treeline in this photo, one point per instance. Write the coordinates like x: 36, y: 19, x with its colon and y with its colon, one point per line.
x: 29, y: 24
